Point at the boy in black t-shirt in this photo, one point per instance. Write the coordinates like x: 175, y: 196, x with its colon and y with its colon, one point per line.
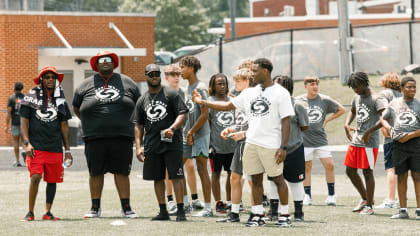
x: 13, y: 104
x: 44, y: 126
x: 159, y: 115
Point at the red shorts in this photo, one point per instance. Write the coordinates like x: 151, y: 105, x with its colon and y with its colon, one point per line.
x: 358, y: 157
x: 48, y: 163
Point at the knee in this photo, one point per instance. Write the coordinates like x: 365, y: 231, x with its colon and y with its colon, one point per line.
x: 368, y: 173
x: 308, y: 165
x: 35, y: 179
x: 416, y: 176
x: 215, y: 175
x: 329, y: 166
x: 350, y: 171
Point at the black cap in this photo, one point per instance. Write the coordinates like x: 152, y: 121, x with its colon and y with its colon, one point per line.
x: 152, y: 68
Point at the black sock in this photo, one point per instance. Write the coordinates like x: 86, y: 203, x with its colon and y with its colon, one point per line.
x: 308, y: 190
x: 125, y: 204
x: 48, y: 213
x: 274, y: 206
x: 298, y: 206
x: 96, y: 203
x: 180, y: 208
x: 194, y: 196
x: 162, y: 208
x: 331, y: 189
x: 170, y: 198
x: 50, y: 192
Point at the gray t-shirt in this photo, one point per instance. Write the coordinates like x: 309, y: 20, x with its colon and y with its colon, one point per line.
x: 219, y: 120
x: 367, y: 109
x: 300, y: 119
x: 194, y: 110
x: 389, y: 94
x: 403, y: 116
x: 317, y: 109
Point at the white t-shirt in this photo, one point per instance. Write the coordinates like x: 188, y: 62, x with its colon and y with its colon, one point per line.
x: 264, y: 110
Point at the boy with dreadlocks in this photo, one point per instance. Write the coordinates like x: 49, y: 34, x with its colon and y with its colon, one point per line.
x: 221, y: 153
x: 294, y: 165
x: 362, y: 153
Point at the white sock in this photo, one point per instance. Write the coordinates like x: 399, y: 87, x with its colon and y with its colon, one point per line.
x: 186, y: 200
x: 207, y: 205
x: 283, y: 209
x: 403, y: 209
x: 297, y: 191
x: 259, y: 209
x: 253, y: 211
x: 274, y: 194
x: 235, y: 208
x: 418, y: 209
x: 229, y: 203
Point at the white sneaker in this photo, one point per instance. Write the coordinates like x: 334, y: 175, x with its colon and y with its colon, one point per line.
x: 389, y: 204
x: 331, y: 200
x: 206, y: 212
x: 197, y: 204
x: 129, y: 214
x: 307, y: 200
x: 172, y: 208
x: 93, y: 213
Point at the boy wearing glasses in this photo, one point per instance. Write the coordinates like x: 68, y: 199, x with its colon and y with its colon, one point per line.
x: 104, y: 103
x: 315, y: 141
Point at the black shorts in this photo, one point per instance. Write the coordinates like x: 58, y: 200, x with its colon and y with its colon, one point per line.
x: 294, y: 165
x: 113, y: 155
x: 389, y: 163
x: 218, y: 160
x: 155, y: 166
x: 406, y: 156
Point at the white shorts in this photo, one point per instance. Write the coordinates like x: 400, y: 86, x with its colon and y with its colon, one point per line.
x: 317, y: 152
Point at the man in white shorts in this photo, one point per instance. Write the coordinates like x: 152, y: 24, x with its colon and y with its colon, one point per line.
x: 315, y: 138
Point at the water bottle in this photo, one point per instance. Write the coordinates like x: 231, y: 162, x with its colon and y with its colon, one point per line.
x: 67, y: 163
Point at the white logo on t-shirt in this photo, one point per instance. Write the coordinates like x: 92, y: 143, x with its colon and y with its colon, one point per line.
x: 156, y: 111
x: 49, y: 115
x: 406, y: 118
x: 190, y: 105
x: 315, y: 114
x: 107, y: 95
x: 362, y: 113
x: 260, y: 106
x: 224, y: 118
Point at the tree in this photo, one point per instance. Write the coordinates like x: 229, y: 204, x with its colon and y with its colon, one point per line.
x: 217, y: 10
x: 178, y: 22
x: 82, y: 5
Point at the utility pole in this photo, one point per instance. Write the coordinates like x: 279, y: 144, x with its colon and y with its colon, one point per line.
x: 232, y: 7
x: 344, y: 41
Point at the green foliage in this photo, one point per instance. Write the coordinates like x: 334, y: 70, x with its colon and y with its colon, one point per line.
x: 217, y: 10
x: 82, y: 5
x: 178, y: 22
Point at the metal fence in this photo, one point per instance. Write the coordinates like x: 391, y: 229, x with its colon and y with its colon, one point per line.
x: 376, y: 49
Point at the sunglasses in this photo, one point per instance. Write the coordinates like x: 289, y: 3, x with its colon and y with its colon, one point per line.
x: 153, y: 74
x: 105, y: 60
x: 49, y: 77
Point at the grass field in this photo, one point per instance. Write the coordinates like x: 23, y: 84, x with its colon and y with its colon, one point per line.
x: 344, y: 95
x: 73, y: 200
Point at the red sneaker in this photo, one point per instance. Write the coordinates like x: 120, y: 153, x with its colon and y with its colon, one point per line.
x: 50, y: 217
x: 29, y: 217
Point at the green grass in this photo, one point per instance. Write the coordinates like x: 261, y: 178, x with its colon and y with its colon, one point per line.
x: 344, y: 95
x: 73, y: 200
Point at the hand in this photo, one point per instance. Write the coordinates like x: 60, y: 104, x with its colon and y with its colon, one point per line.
x: 325, y: 123
x: 196, y: 97
x: 6, y: 129
x: 280, y: 155
x: 190, y: 138
x: 366, y: 137
x: 386, y: 132
x: 349, y: 132
x: 140, y: 154
x: 225, y: 133
x: 237, y: 136
x: 168, y: 133
x: 30, y: 151
x: 68, y: 156
x: 405, y: 138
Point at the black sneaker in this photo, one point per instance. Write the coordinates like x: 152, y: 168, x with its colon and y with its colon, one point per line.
x: 232, y: 217
x: 24, y: 156
x: 284, y: 221
x: 181, y: 217
x: 265, y: 201
x: 29, y: 217
x: 299, y: 216
x: 274, y: 217
x: 417, y: 215
x: 256, y: 221
x: 220, y: 207
x: 162, y: 216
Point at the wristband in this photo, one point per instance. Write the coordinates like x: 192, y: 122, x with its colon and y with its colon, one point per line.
x: 173, y: 129
x: 67, y: 151
x: 283, y: 147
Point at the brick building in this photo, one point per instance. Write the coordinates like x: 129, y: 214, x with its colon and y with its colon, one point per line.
x: 30, y: 41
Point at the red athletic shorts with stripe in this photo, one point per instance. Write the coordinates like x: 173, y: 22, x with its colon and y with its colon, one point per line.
x: 361, y: 157
x: 49, y: 164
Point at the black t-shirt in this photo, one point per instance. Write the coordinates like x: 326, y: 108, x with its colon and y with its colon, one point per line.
x: 14, y: 102
x: 158, y: 112
x: 44, y: 127
x: 105, y: 112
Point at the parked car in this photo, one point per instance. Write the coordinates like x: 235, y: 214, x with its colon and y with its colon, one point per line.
x: 164, y: 57
x: 191, y: 49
